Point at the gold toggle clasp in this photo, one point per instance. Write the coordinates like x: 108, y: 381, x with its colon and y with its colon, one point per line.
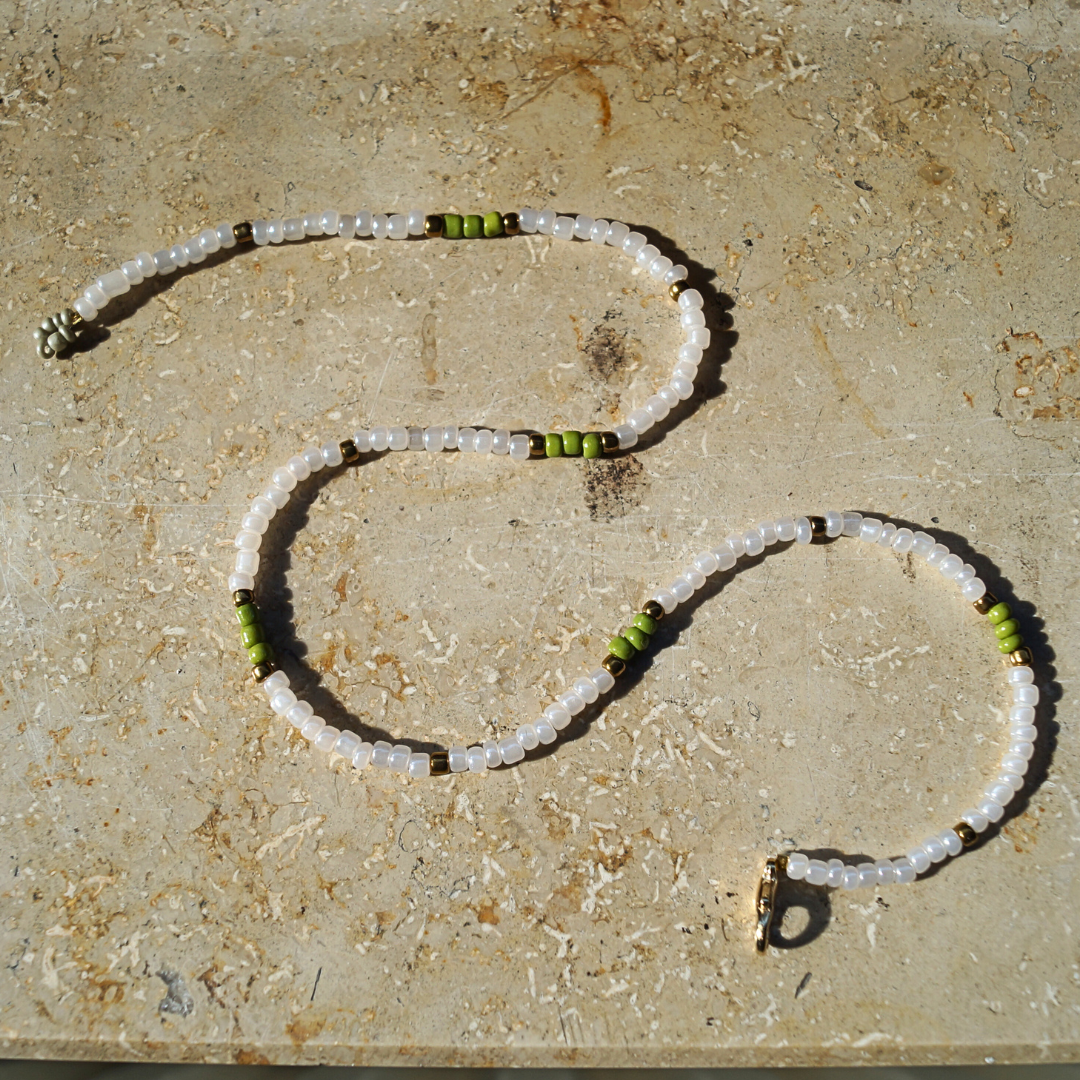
x: 766, y: 899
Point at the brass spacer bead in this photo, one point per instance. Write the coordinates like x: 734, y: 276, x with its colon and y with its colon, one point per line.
x: 968, y: 836
x: 349, y: 451
x: 1020, y: 657
x: 263, y: 671
x: 440, y: 763
x: 654, y: 609
x: 511, y: 224
x: 613, y: 665
x: 76, y: 319
x: 817, y: 526
x: 985, y: 603
x: 676, y: 289
x: 609, y: 442
x: 537, y: 446
x: 243, y: 596
x: 242, y: 232
x: 433, y: 226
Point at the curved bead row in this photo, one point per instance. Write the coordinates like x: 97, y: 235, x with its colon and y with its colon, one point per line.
x: 53, y: 338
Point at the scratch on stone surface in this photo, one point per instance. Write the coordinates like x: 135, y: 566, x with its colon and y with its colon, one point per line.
x: 843, y: 383
x: 297, y: 829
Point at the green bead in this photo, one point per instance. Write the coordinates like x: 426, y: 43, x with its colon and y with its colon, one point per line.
x: 493, y: 225
x: 592, y: 447
x: 474, y: 226
x: 1007, y: 628
x: 638, y: 638
x: 247, y: 614
x: 263, y: 651
x: 571, y: 443
x: 452, y: 226
x: 999, y: 613
x: 553, y: 446
x: 646, y: 623
x: 251, y: 634
x: 620, y: 647
x: 1010, y: 644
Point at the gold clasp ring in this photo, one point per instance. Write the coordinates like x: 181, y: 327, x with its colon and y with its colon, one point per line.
x: 766, y: 899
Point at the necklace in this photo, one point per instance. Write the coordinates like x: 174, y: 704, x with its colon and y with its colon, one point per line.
x: 59, y: 332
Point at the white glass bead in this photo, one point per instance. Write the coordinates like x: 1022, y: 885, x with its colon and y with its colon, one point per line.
x: 419, y: 766
x: 694, y: 317
x: 275, y: 495
x: 1015, y: 763
x: 278, y: 681
x: 669, y: 396
x: 328, y: 222
x: 131, y: 271
x: 87, y: 310
x: 1021, y: 748
x: 283, y: 479
x: 753, y: 543
x: 682, y: 589
x: 1021, y: 676
x: 571, y: 701
x: 510, y: 750
x: 247, y: 540
x: 632, y: 244
x: 477, y: 759
x: 803, y: 531
x: 399, y: 758
x: 676, y: 273
x: 617, y: 233
x: 397, y: 227
x: 583, y: 227
x: 902, y: 541
x: 852, y: 523
x: 526, y: 734
x: 414, y: 222
x: 365, y: 219
x: 326, y: 739
x: 836, y: 873
x: 886, y: 872
x: 362, y: 758
x: 544, y: 731
x: 646, y: 255
x: 194, y: 250
x: 950, y: 566
x: 976, y: 819
x: 585, y: 688
x: 817, y: 872
x: 113, y: 283
x: 834, y: 523
x: 1022, y: 695
x: 500, y: 441
x: 275, y: 230
x: 657, y: 407
x: 459, y: 758
x: 602, y: 679
x: 299, y: 468
x: 241, y: 581
x: 209, y: 241
x: 627, y: 436
x: 346, y: 226
x: 696, y: 578
x: 1022, y: 714
x: 527, y: 218
x: 416, y: 438
x: 666, y: 599
x: 952, y: 842
x: 148, y: 268
x: 905, y: 872
x: 922, y: 544
x: 563, y: 229
x: 380, y: 226
x: 247, y: 562
x: 1026, y: 732
x: 519, y: 447
x: 259, y: 232
x: 934, y: 848
x: 707, y: 563
x: 557, y: 715
x: 888, y: 530
x: 990, y: 809
x: 380, y: 437
x: 484, y: 441
x: 398, y: 438
x: 851, y: 878
x: 699, y: 336
x: 466, y: 440
x: 767, y: 532
x: 313, y: 456
x: 683, y: 387
x: 331, y: 454
x: 299, y: 714
x: 312, y: 726
x: 545, y: 222
x: 282, y: 701
x: 870, y: 530
x: 255, y: 523
x: 919, y: 859
x: 737, y: 544
x: 1000, y: 793
x: 785, y: 529
x: 312, y: 224
x: 797, y: 865
x: 1013, y: 780
x: 938, y: 554
x: 868, y: 876
x: 967, y: 572
x: 640, y: 420
x: 725, y: 557
x: 491, y: 754
x: 690, y: 299
x: 659, y: 267
x: 598, y: 232
x: 293, y: 228
x: 689, y: 354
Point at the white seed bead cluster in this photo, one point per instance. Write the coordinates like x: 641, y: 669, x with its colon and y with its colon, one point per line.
x: 679, y: 387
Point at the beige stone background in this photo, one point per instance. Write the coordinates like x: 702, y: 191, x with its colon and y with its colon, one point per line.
x: 884, y: 195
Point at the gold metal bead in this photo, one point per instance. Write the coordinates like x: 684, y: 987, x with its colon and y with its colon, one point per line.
x: 537, y: 446
x: 242, y: 232
x: 817, y: 526
x: 76, y: 318
x: 511, y: 224
x: 349, y: 451
x: 677, y: 288
x: 263, y: 671
x: 765, y: 903
x: 654, y: 610
x: 433, y: 226
x: 609, y: 442
x: 613, y: 665
x: 1020, y: 657
x: 968, y: 836
x: 243, y: 596
x: 440, y: 763
x: 985, y: 603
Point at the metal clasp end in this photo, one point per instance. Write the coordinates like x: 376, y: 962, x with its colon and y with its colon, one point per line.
x: 766, y: 899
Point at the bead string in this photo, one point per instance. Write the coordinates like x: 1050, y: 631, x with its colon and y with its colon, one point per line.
x: 58, y: 332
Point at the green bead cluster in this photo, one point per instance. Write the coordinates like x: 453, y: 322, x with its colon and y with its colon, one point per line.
x: 636, y: 637
x: 576, y: 444
x: 1006, y: 628
x: 471, y: 226
x: 252, y: 634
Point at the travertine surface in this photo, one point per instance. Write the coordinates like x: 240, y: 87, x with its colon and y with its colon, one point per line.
x: 887, y: 193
